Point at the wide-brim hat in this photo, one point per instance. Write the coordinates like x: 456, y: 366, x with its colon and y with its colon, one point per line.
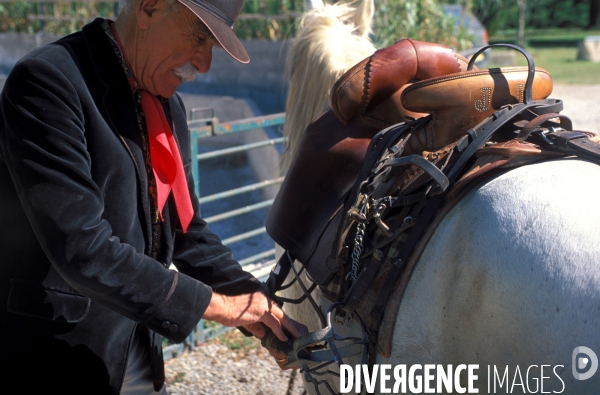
x: 219, y: 16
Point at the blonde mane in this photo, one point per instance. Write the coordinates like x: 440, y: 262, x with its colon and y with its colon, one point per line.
x: 330, y: 40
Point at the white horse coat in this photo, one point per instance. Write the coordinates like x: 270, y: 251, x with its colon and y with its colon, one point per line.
x: 510, y: 278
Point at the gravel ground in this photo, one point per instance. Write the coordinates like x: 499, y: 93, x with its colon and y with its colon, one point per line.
x: 215, y: 369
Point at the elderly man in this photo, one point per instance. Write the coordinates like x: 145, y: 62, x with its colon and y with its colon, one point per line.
x: 97, y: 200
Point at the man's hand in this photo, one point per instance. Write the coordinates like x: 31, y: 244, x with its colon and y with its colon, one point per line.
x: 258, y: 330
x: 253, y: 311
x: 247, y: 309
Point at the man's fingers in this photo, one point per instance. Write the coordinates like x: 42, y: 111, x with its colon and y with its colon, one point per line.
x: 257, y: 329
x: 280, y: 358
x: 273, y: 323
x: 293, y: 327
x: 276, y: 354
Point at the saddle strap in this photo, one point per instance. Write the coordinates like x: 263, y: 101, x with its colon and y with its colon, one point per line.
x: 575, y: 143
x: 379, y: 143
x: 479, y: 135
x: 278, y: 274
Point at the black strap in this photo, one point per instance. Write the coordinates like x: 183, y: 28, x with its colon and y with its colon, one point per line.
x: 278, y: 274
x: 565, y: 123
x: 400, y: 201
x: 481, y: 134
x: 360, y: 286
x: 425, y: 165
x: 527, y: 94
x: 575, y: 143
x: 381, y: 141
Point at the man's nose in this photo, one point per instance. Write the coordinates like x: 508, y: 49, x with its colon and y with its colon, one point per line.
x: 202, y: 59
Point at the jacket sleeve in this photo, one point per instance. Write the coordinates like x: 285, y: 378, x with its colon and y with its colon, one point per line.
x: 43, y: 141
x: 199, y: 253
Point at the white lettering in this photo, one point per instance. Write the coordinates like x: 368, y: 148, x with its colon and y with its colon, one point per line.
x: 504, y: 377
x: 517, y: 372
x: 358, y: 378
x: 444, y: 378
x: 535, y: 379
x: 399, y: 378
x: 563, y: 383
x: 457, y: 386
x: 427, y: 378
x: 472, y: 377
x: 542, y: 377
x: 383, y: 378
x: 370, y: 380
x: 412, y: 379
x: 346, y: 372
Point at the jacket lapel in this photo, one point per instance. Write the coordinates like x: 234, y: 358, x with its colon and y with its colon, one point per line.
x: 119, y: 108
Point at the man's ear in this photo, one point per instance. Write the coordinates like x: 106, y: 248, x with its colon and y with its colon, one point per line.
x: 146, y: 9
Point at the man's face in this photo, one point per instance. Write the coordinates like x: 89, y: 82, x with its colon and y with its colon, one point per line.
x: 174, y: 42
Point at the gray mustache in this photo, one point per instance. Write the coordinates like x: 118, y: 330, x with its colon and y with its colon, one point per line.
x: 187, y: 72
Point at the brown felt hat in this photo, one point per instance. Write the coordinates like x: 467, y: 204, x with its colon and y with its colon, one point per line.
x: 219, y: 16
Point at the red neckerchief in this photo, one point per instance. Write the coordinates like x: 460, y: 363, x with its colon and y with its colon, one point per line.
x: 164, y: 153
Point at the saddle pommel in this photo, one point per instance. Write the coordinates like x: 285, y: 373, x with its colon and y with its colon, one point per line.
x: 375, y: 79
x: 462, y: 100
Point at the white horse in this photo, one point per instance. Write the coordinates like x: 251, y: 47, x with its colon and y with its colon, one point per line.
x: 509, y: 281
x: 510, y: 278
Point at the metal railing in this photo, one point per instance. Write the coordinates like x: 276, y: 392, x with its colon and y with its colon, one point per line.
x: 259, y: 264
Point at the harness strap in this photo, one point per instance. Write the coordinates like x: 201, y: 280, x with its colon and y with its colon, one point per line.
x: 381, y: 141
x: 575, y: 143
x: 361, y: 285
x: 278, y: 274
x: 425, y: 165
x: 405, y: 200
x: 480, y: 135
x: 565, y: 122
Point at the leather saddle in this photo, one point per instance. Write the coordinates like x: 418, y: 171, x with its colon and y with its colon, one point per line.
x: 407, y: 80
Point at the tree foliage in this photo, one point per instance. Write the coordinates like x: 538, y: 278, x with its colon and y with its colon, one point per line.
x: 422, y: 20
x: 504, y: 14
x: 269, y: 28
x: 17, y: 16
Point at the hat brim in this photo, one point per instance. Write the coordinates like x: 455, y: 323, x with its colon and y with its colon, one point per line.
x: 223, y: 33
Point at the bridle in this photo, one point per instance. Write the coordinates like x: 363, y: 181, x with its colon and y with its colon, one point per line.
x: 315, y: 352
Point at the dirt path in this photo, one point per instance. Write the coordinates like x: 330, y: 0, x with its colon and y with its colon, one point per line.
x: 582, y: 105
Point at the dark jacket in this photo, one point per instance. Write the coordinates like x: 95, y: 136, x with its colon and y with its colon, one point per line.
x: 75, y: 277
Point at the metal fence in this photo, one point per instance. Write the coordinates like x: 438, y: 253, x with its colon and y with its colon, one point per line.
x: 259, y: 264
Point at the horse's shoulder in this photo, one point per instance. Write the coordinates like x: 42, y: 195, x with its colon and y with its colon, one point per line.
x: 541, y: 218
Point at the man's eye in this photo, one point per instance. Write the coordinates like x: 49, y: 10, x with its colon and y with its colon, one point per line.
x: 200, y: 40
